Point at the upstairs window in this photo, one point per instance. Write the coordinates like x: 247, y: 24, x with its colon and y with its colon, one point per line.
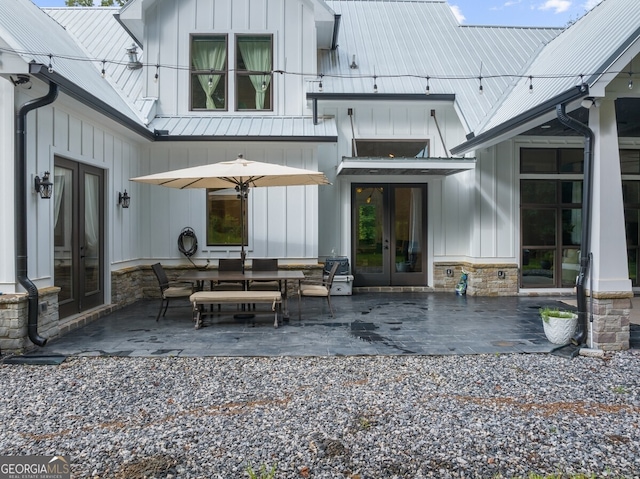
x: 254, y: 62
x: 209, y: 72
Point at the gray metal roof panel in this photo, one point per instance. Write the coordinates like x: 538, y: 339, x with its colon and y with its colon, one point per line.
x: 82, y: 23
x: 402, y: 42
x: 33, y: 34
x: 588, y: 47
x: 256, y: 127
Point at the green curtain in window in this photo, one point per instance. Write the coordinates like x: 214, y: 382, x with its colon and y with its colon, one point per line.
x: 209, y: 55
x: 256, y: 54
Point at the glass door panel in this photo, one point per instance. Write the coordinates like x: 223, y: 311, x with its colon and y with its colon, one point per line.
x: 389, y: 235
x: 63, y: 258
x: 78, y: 236
x: 371, y: 250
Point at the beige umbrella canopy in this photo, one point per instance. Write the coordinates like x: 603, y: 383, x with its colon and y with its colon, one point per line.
x: 240, y: 174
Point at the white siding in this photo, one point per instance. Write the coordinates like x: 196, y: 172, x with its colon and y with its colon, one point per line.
x: 169, y: 26
x: 287, y: 228
x: 60, y: 129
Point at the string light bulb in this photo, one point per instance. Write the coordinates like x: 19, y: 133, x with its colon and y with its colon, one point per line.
x: 264, y: 85
x: 210, y: 79
x: 50, y: 63
x: 103, y: 72
x: 427, y: 90
x: 320, y: 84
x: 630, y: 81
x: 480, y: 87
x: 530, y: 85
x: 375, y: 84
x: 155, y: 77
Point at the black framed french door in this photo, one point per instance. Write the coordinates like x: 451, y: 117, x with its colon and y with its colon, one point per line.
x: 389, y: 234
x: 78, y: 236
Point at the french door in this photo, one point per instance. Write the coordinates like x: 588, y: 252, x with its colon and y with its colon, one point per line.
x: 389, y: 234
x: 78, y: 236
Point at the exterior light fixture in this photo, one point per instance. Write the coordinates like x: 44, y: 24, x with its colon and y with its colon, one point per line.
x: 132, y: 53
x: 43, y: 186
x: 124, y: 199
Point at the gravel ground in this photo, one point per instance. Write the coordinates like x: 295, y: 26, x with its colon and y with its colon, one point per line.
x: 338, y: 417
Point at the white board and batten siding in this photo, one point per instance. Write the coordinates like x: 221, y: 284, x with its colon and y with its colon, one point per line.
x: 64, y: 130
x: 169, y: 26
x: 282, y: 220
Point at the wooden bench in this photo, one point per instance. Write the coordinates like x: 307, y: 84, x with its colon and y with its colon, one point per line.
x: 201, y: 298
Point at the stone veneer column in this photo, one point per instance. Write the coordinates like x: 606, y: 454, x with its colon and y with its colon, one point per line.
x: 610, y: 327
x: 14, y: 337
x: 609, y: 270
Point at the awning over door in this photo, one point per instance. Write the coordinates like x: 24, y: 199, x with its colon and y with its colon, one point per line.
x: 405, y: 166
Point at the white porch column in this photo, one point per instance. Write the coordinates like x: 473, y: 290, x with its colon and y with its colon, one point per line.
x: 609, y: 269
x: 7, y: 188
x: 608, y: 239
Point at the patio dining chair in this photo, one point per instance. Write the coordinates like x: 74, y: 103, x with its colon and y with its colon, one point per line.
x: 169, y: 290
x: 264, y: 264
x: 318, y: 290
x: 232, y: 265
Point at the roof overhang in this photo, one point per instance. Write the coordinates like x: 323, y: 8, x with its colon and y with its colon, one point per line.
x: 405, y: 166
x: 380, y: 96
x: 255, y: 128
x: 76, y: 92
x: 523, y: 122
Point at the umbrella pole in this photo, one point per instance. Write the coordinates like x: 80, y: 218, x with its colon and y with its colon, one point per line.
x: 243, y: 193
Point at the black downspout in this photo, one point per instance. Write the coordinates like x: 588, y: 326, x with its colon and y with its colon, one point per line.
x: 21, y: 211
x: 585, y: 246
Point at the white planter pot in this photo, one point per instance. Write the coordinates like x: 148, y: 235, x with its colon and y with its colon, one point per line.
x: 560, y: 330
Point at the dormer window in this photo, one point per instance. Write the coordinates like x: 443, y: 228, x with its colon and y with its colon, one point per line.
x: 209, y: 72
x: 254, y: 64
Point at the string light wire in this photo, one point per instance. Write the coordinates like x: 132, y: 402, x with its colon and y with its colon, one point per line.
x: 374, y: 76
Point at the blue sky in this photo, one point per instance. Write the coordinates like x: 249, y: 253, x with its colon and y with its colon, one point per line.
x: 539, y: 13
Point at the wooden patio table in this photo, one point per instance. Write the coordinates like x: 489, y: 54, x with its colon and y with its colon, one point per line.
x: 214, y: 276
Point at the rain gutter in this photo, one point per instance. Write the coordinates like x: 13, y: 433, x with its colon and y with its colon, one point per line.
x: 474, y: 142
x: 585, y: 242
x: 21, y: 210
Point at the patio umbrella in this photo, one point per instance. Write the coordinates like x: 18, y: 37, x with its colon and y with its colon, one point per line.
x: 240, y: 174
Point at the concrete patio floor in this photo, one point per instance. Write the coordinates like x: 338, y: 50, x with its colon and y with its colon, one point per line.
x: 364, y: 324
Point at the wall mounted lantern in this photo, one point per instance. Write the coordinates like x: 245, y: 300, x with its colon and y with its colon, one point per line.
x: 43, y: 185
x: 124, y: 199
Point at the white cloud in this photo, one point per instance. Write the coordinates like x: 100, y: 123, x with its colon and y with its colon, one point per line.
x: 559, y: 6
x: 458, y: 13
x: 589, y: 4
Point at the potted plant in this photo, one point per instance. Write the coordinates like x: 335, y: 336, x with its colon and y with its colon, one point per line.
x: 559, y: 325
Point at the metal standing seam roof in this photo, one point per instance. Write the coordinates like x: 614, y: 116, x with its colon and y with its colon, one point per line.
x: 403, y: 42
x: 82, y: 24
x: 34, y: 35
x: 589, y: 47
x: 243, y: 128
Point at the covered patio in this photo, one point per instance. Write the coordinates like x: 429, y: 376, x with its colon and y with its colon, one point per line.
x: 365, y: 324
